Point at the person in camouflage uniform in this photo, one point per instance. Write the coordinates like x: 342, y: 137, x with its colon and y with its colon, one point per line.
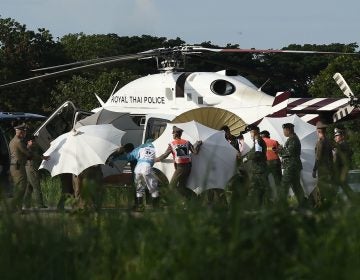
x: 342, y: 161
x: 258, y: 192
x: 19, y: 154
x: 323, y: 166
x: 292, y: 166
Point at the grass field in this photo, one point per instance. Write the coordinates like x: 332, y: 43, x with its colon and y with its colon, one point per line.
x: 199, y: 242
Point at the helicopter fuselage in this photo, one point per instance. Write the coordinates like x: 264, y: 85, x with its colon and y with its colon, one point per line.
x: 175, y: 93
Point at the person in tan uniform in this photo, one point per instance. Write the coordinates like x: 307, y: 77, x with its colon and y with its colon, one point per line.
x: 181, y: 150
x: 88, y: 188
x: 32, y: 173
x: 19, y: 154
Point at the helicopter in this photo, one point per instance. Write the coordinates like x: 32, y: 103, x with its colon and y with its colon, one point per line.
x: 212, y: 98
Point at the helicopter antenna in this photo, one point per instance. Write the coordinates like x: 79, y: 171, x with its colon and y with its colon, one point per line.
x: 114, y: 88
x: 260, y: 88
x: 102, y: 103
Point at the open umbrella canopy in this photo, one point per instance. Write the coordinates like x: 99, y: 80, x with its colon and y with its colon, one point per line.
x: 212, y: 167
x: 79, y: 149
x: 307, y: 135
x: 121, y: 121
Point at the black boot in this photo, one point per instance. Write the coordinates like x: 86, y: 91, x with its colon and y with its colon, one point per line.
x: 156, y: 203
x: 139, y: 205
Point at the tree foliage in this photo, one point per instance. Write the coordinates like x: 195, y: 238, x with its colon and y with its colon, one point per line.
x: 78, y: 47
x: 82, y: 90
x: 298, y: 71
x: 20, y: 51
x: 324, y: 85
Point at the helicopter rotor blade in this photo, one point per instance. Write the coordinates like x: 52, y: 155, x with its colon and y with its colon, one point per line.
x: 74, y: 69
x: 227, y: 65
x: 199, y: 49
x: 160, y: 52
x: 72, y: 64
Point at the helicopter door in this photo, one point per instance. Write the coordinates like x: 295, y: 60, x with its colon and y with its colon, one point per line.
x: 60, y: 122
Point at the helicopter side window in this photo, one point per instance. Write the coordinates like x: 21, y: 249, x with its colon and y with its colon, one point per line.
x: 139, y: 120
x: 222, y: 87
x: 61, y: 123
x: 155, y: 127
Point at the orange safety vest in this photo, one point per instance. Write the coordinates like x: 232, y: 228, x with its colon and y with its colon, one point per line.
x: 271, y: 145
x: 181, y: 151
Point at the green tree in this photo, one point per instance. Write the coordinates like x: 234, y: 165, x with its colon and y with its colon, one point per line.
x: 81, y: 87
x: 81, y: 90
x: 298, y: 71
x: 325, y: 86
x: 20, y: 51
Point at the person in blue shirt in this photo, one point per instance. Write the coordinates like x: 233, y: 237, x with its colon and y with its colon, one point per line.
x: 144, y: 176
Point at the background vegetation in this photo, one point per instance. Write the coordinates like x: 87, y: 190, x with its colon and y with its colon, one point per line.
x: 199, y: 242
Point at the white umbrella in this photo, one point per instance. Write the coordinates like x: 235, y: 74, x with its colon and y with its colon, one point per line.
x: 121, y: 121
x: 212, y: 167
x: 307, y: 135
x: 79, y: 149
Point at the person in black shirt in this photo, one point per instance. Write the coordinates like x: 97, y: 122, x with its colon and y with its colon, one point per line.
x: 230, y: 138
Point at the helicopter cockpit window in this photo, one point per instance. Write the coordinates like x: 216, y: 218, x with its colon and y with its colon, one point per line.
x: 222, y: 87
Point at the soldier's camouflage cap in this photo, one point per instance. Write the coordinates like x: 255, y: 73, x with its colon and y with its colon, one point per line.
x: 287, y: 125
x: 338, y: 131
